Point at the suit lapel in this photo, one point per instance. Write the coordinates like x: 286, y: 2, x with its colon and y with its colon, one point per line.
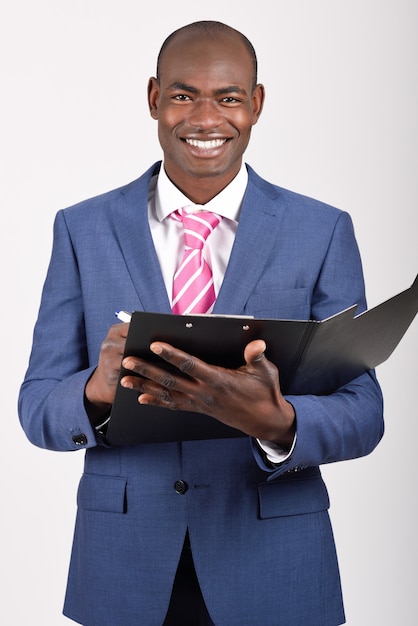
x: 256, y: 235
x: 137, y: 247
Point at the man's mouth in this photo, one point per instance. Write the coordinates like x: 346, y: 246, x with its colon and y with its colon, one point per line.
x: 206, y: 145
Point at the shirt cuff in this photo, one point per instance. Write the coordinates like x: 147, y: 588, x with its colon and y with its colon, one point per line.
x: 274, y: 453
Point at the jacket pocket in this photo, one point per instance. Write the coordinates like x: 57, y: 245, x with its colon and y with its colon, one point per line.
x: 102, y: 493
x: 292, y: 496
x: 271, y: 302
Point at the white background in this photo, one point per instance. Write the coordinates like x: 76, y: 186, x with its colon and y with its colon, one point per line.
x: 340, y: 124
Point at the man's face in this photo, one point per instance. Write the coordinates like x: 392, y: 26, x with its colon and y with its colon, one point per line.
x: 205, y: 105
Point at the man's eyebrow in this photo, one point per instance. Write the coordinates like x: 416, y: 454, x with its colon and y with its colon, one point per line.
x: 183, y: 87
x: 230, y: 89
x: 223, y: 91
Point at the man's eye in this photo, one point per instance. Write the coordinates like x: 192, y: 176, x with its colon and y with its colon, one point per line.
x: 230, y: 100
x: 181, y: 96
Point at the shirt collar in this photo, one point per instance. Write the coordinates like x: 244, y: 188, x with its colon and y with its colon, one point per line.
x: 169, y: 198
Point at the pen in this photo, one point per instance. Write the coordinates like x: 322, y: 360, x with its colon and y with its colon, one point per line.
x: 123, y: 316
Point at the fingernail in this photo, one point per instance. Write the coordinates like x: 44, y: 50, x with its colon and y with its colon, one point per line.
x: 154, y: 347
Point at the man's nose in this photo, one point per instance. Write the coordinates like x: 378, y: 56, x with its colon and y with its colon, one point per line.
x: 206, y: 114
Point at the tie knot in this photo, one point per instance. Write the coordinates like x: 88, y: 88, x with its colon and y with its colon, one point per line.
x: 197, y: 226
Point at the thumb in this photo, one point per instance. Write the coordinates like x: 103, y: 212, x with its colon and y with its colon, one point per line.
x: 254, y: 351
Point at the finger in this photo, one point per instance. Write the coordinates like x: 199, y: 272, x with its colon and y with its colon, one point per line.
x: 120, y: 329
x: 155, y: 380
x: 258, y: 364
x: 254, y: 351
x: 149, y: 392
x: 183, y: 361
x: 147, y: 371
x: 145, y: 385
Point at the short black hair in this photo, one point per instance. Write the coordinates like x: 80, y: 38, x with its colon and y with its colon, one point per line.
x: 209, y: 27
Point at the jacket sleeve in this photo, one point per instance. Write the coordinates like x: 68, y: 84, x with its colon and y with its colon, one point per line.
x: 51, y: 399
x: 348, y: 423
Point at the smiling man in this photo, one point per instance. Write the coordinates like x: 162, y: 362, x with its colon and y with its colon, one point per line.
x: 231, y: 532
x: 206, y: 106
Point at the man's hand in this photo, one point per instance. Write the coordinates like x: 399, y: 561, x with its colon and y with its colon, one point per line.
x: 248, y: 398
x: 101, y: 387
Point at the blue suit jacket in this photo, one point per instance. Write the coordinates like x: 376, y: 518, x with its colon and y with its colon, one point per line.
x: 261, y: 536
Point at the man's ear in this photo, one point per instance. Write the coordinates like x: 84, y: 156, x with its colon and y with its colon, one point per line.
x: 258, y: 102
x: 153, y: 91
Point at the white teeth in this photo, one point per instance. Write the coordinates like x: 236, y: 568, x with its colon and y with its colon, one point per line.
x: 206, y: 145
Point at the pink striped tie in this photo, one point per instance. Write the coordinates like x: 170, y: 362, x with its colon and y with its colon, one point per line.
x: 193, y: 290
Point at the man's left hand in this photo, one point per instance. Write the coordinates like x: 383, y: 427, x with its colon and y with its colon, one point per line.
x: 248, y: 398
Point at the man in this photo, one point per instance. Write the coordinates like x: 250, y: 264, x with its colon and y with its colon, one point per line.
x: 231, y: 532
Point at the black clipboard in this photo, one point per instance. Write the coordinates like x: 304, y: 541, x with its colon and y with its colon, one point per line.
x: 313, y: 357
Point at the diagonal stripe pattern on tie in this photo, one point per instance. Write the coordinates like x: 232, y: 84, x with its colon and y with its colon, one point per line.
x: 193, y: 290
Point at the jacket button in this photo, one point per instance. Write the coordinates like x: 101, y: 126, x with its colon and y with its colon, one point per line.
x: 180, y: 486
x: 80, y: 440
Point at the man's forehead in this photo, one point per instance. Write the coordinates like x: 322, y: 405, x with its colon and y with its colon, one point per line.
x: 210, y: 56
x: 191, y: 36
x: 203, y: 45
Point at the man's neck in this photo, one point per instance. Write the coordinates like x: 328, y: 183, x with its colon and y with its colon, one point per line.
x: 200, y: 190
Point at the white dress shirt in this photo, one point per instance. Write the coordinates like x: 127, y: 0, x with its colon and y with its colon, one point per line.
x: 164, y: 198
x: 168, y: 233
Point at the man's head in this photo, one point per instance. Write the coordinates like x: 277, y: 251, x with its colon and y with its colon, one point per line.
x: 206, y: 100
x: 214, y: 29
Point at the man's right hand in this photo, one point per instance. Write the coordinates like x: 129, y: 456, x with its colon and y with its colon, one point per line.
x: 101, y: 387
